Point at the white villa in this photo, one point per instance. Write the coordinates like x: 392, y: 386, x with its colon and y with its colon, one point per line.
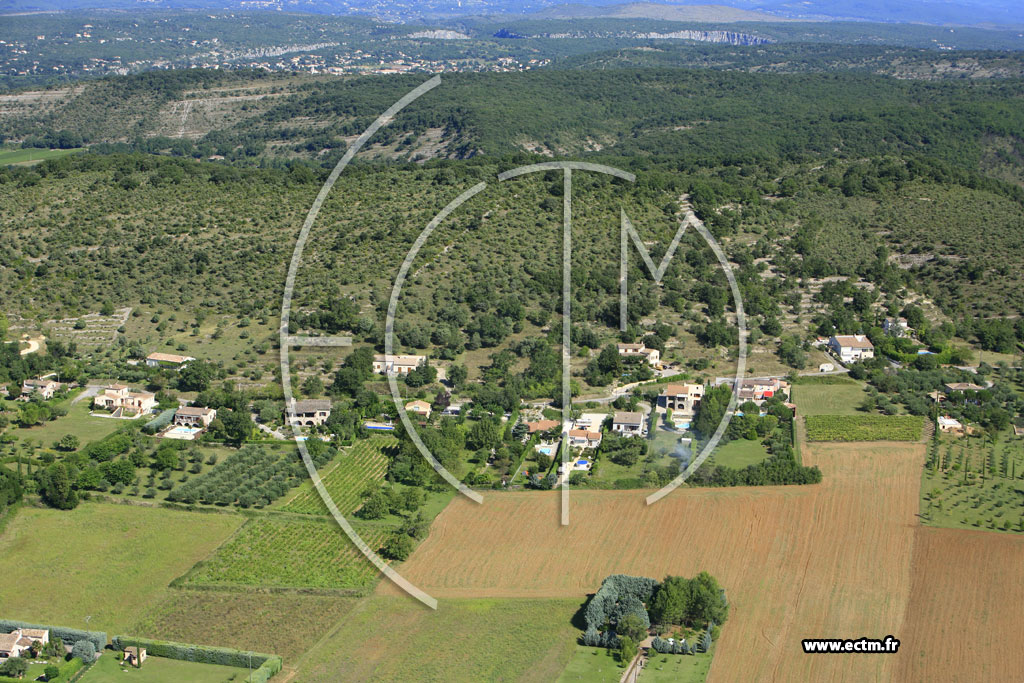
x: 653, y: 356
x: 628, y: 424
x: 43, y: 387
x: 581, y: 438
x: 118, y: 397
x: 851, y: 347
x: 19, y: 640
x: 897, y: 327
x: 399, y: 365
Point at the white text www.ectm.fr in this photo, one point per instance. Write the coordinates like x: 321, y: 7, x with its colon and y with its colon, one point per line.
x: 841, y: 645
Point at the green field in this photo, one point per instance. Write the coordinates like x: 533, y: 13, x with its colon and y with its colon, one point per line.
x: 282, y: 552
x: 864, y: 428
x: 108, y: 563
x: 108, y: 669
x: 828, y: 396
x: 32, y: 155
x: 77, y: 422
x: 954, y: 494
x: 596, y: 664
x: 739, y: 453
x: 345, y: 479
x: 385, y: 638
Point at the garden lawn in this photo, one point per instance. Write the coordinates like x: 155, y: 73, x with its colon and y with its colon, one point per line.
x: 77, y: 422
x: 107, y: 563
x: 108, y: 669
x: 387, y: 638
x: 828, y: 396
x: 596, y: 664
x: 677, y: 668
x: 739, y: 453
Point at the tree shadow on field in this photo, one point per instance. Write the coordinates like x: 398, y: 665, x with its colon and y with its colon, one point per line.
x: 579, y: 620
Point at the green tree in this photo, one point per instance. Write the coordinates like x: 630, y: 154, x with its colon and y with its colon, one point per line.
x: 196, y: 376
x: 56, y: 487
x: 375, y: 507
x: 671, y: 602
x: 483, y: 435
x: 51, y: 672
x: 627, y: 649
x: 399, y: 547
x: 631, y: 626
x: 236, y: 424
x: 457, y: 375
x: 68, y: 442
x: 14, y: 667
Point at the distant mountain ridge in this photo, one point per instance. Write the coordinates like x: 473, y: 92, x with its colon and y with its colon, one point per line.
x: 653, y: 10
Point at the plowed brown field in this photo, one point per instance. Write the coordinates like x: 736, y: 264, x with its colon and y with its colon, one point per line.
x: 966, y: 608
x: 830, y: 561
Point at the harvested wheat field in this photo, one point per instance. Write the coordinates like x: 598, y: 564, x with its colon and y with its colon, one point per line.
x: 965, y: 608
x: 831, y: 560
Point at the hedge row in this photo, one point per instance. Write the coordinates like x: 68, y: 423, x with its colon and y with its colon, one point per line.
x: 69, y: 635
x: 206, y: 654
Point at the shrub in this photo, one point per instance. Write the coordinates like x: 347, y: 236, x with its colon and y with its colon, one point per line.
x: 84, y: 650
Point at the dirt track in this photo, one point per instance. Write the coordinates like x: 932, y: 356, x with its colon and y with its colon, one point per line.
x: 833, y: 560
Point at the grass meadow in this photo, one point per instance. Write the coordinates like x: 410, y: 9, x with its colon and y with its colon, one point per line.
x: 108, y: 669
x: 100, y: 566
x: 386, y: 638
x: 828, y: 396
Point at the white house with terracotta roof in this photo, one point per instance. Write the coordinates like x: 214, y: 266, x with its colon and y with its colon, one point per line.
x: 120, y: 397
x: 851, y: 347
x: 398, y: 365
x: 582, y: 438
x: 44, y: 387
x: 18, y: 641
x: 683, y: 398
x: 168, y: 360
x: 628, y: 424
x: 653, y: 356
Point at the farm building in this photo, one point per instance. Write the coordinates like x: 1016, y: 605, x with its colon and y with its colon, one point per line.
x: 309, y: 413
x: 851, y: 347
x: 134, y: 656
x: 826, y: 367
x: 168, y: 360
x: 682, y: 398
x: 118, y: 397
x: 950, y: 425
x: 398, y: 365
x: 628, y: 424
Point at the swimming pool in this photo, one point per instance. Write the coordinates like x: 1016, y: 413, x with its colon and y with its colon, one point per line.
x: 546, y: 450
x: 182, y: 432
